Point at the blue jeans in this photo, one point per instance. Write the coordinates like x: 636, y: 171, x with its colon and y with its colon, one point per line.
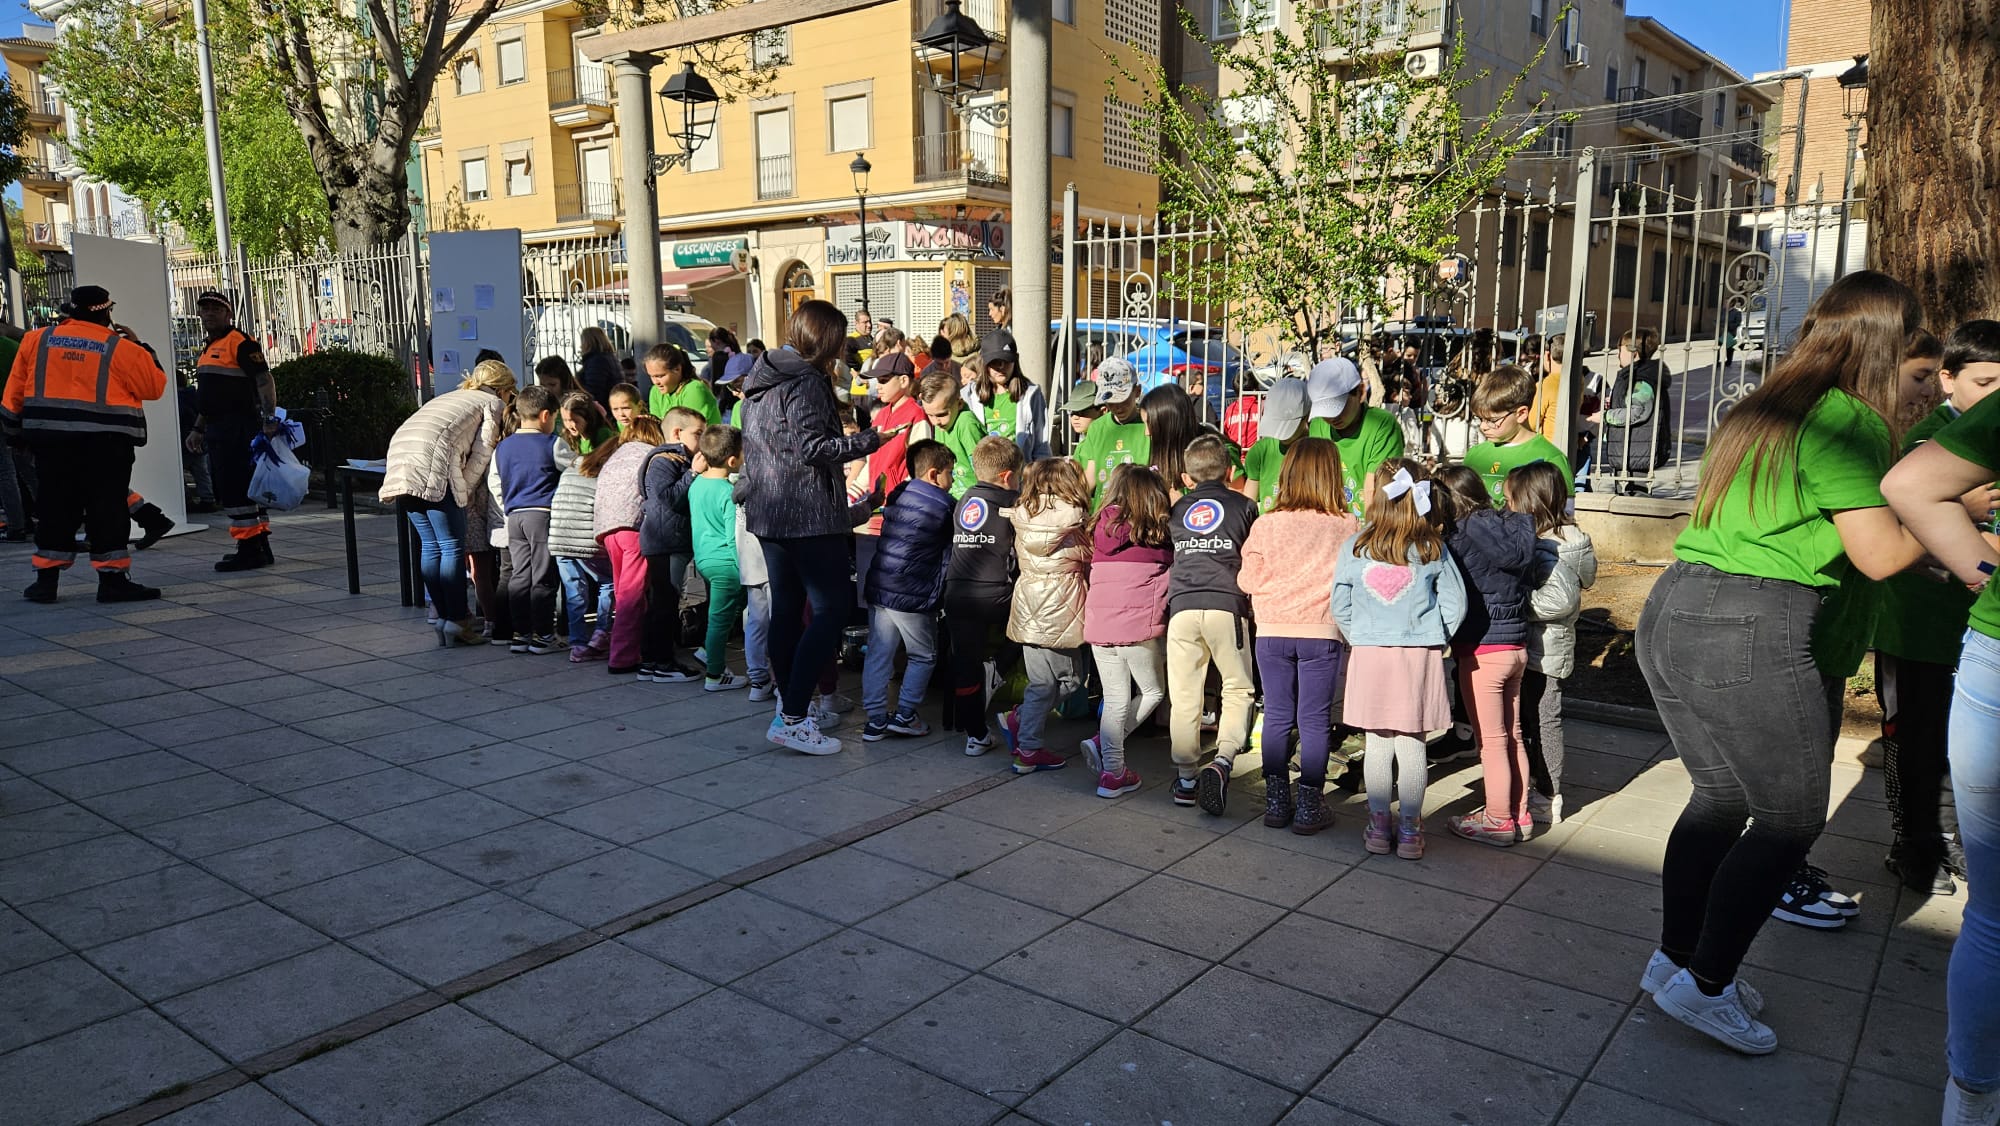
x: 440, y: 527
x: 584, y: 586
x: 888, y: 631
x: 1972, y: 1037
x: 816, y: 572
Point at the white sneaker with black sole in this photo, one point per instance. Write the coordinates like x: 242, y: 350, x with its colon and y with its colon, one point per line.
x: 1802, y: 906
x: 1660, y: 969
x: 727, y: 682
x: 1721, y: 1017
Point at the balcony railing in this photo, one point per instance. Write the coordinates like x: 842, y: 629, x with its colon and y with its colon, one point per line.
x: 1638, y: 105
x: 41, y: 100
x: 1384, y: 23
x: 432, y: 124
x: 1747, y: 154
x: 580, y: 86
x: 976, y: 158
x: 774, y: 177
x: 587, y: 201
x: 38, y: 171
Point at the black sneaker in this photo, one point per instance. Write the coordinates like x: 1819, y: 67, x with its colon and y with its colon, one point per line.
x: 1185, y: 791
x: 875, y: 731
x: 1954, y: 857
x: 677, y: 673
x: 1802, y: 906
x: 1451, y: 747
x: 907, y: 724
x: 645, y: 675
x: 1212, y: 787
x: 1840, y: 901
x: 1924, y: 875
x: 116, y: 586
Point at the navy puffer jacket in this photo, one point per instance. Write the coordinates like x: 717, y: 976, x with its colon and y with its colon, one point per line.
x: 793, y: 484
x: 1496, y: 553
x: 915, y: 549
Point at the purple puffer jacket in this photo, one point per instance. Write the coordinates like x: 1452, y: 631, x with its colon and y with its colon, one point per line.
x: 1127, y: 600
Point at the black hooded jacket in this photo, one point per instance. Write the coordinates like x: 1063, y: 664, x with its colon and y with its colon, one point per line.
x: 794, y: 454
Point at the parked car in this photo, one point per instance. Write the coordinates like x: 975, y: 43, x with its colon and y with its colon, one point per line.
x: 555, y: 328
x: 1187, y: 352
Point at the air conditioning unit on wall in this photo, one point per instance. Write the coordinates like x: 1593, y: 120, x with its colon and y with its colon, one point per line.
x: 1577, y: 54
x: 1425, y: 63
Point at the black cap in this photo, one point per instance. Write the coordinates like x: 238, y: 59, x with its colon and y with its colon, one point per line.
x: 215, y: 297
x: 891, y: 366
x: 999, y: 347
x: 88, y: 299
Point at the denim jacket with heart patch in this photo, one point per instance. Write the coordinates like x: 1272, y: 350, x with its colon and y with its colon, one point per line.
x: 1409, y: 604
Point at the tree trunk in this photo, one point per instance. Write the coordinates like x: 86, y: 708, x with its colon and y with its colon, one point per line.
x: 1934, y: 154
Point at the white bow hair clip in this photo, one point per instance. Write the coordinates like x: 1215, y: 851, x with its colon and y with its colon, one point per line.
x: 1402, y: 483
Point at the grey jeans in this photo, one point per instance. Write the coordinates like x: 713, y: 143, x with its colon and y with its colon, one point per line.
x: 1120, y: 667
x: 1051, y: 678
x: 1542, y: 730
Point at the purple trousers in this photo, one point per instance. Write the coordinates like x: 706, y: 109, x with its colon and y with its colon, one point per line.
x: 1301, y: 677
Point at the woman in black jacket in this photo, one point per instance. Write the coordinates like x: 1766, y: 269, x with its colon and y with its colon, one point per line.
x: 795, y: 501
x: 600, y: 365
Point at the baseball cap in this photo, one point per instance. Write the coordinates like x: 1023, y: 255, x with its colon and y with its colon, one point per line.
x: 1082, y: 396
x: 998, y: 348
x: 215, y: 297
x: 1116, y: 379
x: 736, y: 367
x: 1285, y: 407
x: 90, y: 299
x: 1329, y: 385
x: 891, y: 366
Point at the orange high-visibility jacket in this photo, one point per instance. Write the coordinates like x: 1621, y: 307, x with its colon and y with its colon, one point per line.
x: 81, y: 378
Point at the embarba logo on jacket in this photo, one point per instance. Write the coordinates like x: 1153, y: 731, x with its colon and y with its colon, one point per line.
x: 1202, y: 516
x: 972, y: 514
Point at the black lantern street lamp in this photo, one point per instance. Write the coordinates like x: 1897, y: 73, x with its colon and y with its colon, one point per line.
x: 860, y: 168
x: 1854, y: 106
x: 696, y: 101
x: 970, y: 51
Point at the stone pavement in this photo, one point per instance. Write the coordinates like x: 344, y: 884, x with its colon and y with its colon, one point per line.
x: 269, y: 856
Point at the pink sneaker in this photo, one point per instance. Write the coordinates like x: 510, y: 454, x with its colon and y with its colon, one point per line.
x: 1028, y: 762
x: 1410, y: 840
x: 1111, y: 785
x: 1376, y: 837
x: 1500, y: 832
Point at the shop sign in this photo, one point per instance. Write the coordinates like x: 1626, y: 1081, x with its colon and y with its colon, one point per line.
x: 914, y: 241
x: 706, y: 252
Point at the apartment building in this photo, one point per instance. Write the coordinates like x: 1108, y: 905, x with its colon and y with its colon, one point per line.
x: 525, y: 137
x: 1821, y: 42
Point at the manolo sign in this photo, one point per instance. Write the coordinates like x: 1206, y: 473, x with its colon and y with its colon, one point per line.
x: 910, y: 241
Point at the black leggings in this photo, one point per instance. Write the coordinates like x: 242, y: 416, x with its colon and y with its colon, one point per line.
x: 970, y: 621
x: 815, y: 571
x: 1916, y: 707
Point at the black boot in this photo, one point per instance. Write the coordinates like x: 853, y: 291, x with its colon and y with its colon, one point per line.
x: 1312, y: 813
x: 153, y: 524
x: 117, y: 586
x: 1277, y: 799
x: 249, y: 555
x: 1921, y: 869
x: 44, y: 590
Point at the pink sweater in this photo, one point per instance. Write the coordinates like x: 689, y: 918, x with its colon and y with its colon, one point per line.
x: 1288, y: 572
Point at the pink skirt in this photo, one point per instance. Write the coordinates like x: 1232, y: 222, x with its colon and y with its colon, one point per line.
x: 1396, y: 689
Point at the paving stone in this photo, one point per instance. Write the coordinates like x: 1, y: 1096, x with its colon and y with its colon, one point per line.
x: 654, y: 762
x: 369, y: 793
x: 1399, y: 908
x: 944, y: 843
x: 418, y: 744
x: 307, y: 768
x: 1276, y: 1033
x: 733, y: 785
x: 352, y: 727
x: 915, y: 777
x: 1584, y: 895
x: 860, y: 1085
x: 712, y: 1054
x: 1914, y: 973
x: 111, y: 775
x: 1312, y: 1112
x: 167, y: 801
x: 724, y: 844
x: 1532, y: 1020
x: 19, y: 795
x: 1811, y: 1016
x: 1260, y: 871
x: 177, y: 958
x: 558, y: 788
x: 1376, y: 973
x: 1415, y: 1077
x: 1186, y: 916
x: 439, y: 821
x: 1134, y: 838
x: 410, y: 1073
x: 1562, y: 952
x: 275, y: 1005
x: 596, y: 890
x: 1138, y: 1080
x: 53, y: 997
x: 846, y: 886
x: 731, y: 935
x: 238, y: 739
x: 69, y: 868
x: 1099, y: 971
x: 129, y: 906
x: 963, y: 925
x: 850, y: 983
x: 586, y: 738
x: 481, y: 765
x: 638, y: 815
x: 1614, y: 853
x: 993, y: 1038
x: 238, y: 826
x: 42, y: 829
x: 1844, y: 958
x: 1060, y: 879
x: 823, y: 808
x: 1653, y: 1056
x: 1595, y: 1106
x: 300, y: 859
x: 375, y: 897
x: 239, y: 1107
x: 1035, y: 810
x: 105, y: 1067
x: 22, y: 943
x: 452, y: 941
x: 1870, y: 1100
x: 511, y: 855
x: 1901, y: 1041
x: 560, y: 1094
x: 579, y: 1002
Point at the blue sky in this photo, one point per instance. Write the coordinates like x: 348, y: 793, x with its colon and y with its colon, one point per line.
x: 1747, y: 34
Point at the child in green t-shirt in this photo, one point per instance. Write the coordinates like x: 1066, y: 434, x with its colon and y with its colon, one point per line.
x: 1118, y: 436
x: 712, y: 511
x: 953, y: 424
x: 674, y: 385
x: 1501, y: 405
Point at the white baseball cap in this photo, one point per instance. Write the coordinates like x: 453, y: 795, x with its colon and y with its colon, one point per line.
x: 1329, y: 385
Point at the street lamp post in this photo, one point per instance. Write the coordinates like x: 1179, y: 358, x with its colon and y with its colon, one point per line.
x: 860, y: 168
x: 1854, y: 106
x: 696, y: 100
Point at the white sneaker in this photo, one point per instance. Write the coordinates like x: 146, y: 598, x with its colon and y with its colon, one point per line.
x: 1547, y: 811
x: 727, y: 682
x: 1719, y: 1017
x: 836, y: 703
x: 1660, y: 969
x: 1093, y: 754
x: 976, y: 747
x: 762, y: 692
x: 1967, y: 1108
x: 701, y: 655
x: 802, y: 736
x: 826, y: 717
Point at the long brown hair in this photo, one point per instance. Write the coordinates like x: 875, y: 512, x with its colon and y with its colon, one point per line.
x: 1395, y: 528
x: 1310, y: 480
x: 1539, y: 490
x: 1459, y: 493
x: 645, y: 430
x: 1053, y: 479
x: 1143, y: 507
x: 1852, y: 340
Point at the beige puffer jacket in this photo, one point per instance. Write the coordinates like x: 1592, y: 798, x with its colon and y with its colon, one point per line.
x: 1053, y: 548
x: 444, y: 449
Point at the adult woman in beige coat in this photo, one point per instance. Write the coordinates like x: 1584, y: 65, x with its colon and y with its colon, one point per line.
x: 437, y: 470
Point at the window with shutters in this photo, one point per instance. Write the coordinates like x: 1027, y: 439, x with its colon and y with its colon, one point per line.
x: 1062, y: 123
x: 1538, y: 17
x: 513, y: 61
x: 1624, y: 270
x: 465, y: 75
x: 472, y: 177
x: 520, y: 178
x: 847, y: 122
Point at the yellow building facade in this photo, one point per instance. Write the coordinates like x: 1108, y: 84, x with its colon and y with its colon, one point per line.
x: 766, y: 214
x: 45, y: 191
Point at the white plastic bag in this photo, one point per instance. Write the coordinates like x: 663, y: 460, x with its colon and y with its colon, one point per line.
x: 280, y: 479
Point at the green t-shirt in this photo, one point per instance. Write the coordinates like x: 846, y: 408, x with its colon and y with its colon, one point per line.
x: 585, y: 445
x: 1842, y: 454
x: 1493, y: 463
x: 1262, y: 464
x: 1923, y: 619
x: 712, y: 510
x: 1375, y: 439
x: 961, y: 436
x: 736, y: 415
x: 1109, y: 444
x: 998, y: 416
x: 694, y: 395
x: 1975, y: 436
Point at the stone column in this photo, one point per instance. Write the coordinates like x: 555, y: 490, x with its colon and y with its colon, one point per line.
x: 631, y: 79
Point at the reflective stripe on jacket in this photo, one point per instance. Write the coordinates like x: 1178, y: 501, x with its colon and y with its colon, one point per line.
x: 79, y: 377
x: 223, y: 384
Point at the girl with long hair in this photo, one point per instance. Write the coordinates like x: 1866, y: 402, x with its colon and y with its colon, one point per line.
x: 1125, y: 616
